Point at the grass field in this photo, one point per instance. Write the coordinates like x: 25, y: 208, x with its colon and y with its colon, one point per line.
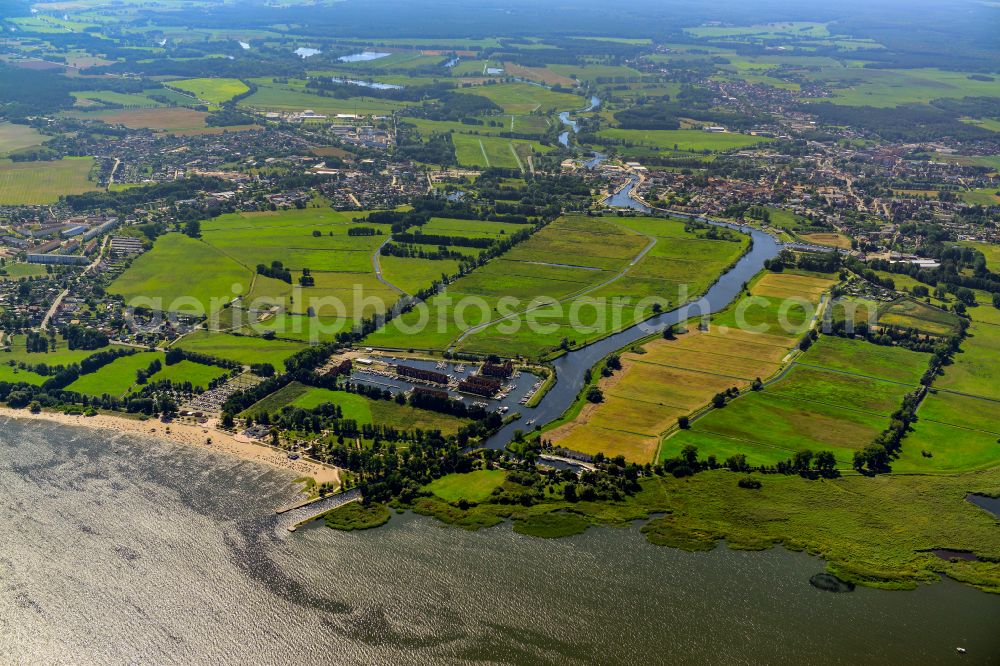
x: 360, y: 408
x: 984, y: 196
x: 15, y: 137
x: 116, y: 378
x: 472, y: 486
x: 959, y: 432
x: 859, y: 86
x: 62, y: 355
x: 33, y: 183
x: 486, y: 151
x: 976, y: 369
x: 213, y: 91
x: 294, y: 97
x: 242, y: 349
x: 12, y: 374
x: 673, y: 378
x: 814, y: 406
x: 172, y: 276
x: 198, y: 374
x: 683, y: 140
x: 564, y: 278
x: 524, y: 98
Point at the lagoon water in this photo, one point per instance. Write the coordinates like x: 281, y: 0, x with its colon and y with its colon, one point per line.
x: 118, y: 550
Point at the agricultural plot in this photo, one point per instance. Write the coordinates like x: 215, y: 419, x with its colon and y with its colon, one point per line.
x: 673, y: 378
x: 976, y: 368
x: 783, y: 305
x: 983, y: 196
x: 954, y: 433
x: 810, y: 407
x: 35, y: 183
x: 172, y: 120
x: 847, y: 356
x: 839, y: 241
x: 213, y: 91
x: 683, y: 140
x: 860, y: 86
x: 488, y: 151
x: 174, y: 276
x: 17, y: 137
x: 524, y: 98
x: 589, y: 251
x: 909, y: 313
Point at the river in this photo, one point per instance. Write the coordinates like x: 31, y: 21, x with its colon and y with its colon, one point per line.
x: 571, y: 367
x: 118, y: 550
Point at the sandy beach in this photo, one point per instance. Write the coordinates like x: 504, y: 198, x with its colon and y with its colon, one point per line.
x: 190, y: 435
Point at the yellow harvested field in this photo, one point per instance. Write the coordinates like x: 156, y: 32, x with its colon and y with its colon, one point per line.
x: 673, y: 378
x: 591, y: 439
x: 829, y: 240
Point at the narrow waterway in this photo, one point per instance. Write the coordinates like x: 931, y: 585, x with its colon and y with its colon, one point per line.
x: 572, y: 366
x: 122, y: 550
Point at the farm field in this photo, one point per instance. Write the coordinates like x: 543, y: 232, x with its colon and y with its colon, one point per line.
x: 683, y: 140
x: 673, y: 378
x: 213, y: 91
x: 829, y: 240
x: 677, y: 266
x: 524, y: 98
x: 594, y: 256
x: 362, y: 409
x: 12, y: 374
x: 808, y: 408
x: 489, y: 151
x: 235, y: 244
x: 845, y: 355
x: 782, y: 305
x: 412, y: 275
x: 289, y: 97
x: 983, y: 196
x: 176, y: 120
x: 976, y: 368
x: 170, y: 277
x: 959, y: 433
x: 240, y: 348
x: 858, y: 86
x: 34, y: 183
x: 16, y: 137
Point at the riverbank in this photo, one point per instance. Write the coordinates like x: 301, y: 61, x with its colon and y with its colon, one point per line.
x: 205, y: 437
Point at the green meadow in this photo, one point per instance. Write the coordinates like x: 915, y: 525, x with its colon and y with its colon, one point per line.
x: 34, y: 183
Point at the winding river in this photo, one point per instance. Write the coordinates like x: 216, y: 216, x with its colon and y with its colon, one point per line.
x: 571, y: 367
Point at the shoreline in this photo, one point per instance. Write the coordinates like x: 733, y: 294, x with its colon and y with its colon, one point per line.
x: 189, y: 435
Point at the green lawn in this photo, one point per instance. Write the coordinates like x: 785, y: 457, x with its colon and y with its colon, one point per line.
x: 489, y: 151
x: 976, y: 368
x: 473, y: 486
x: 13, y: 375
